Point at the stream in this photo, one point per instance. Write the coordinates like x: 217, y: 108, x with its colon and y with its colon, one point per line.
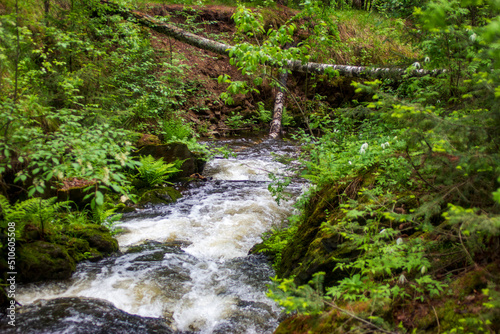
x: 182, y: 268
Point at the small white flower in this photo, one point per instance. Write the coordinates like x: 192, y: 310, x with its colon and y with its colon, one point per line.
x: 423, y: 270
x: 402, y: 279
x: 124, y: 198
x: 350, y: 163
x: 363, y: 149
x: 384, y: 145
x: 105, y: 177
x: 427, y: 59
x: 399, y: 241
x: 416, y: 64
x: 473, y: 37
x: 382, y: 231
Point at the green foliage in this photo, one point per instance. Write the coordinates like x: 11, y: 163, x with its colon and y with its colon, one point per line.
x: 238, y: 121
x: 306, y: 299
x: 278, y: 238
x: 176, y: 129
x: 37, y: 211
x: 105, y: 216
x: 421, y: 159
x: 349, y: 148
x: 263, y: 115
x: 397, y: 8
x: 480, y: 323
x: 156, y: 172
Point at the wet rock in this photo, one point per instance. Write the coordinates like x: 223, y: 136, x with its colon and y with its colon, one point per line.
x: 80, y: 316
x: 193, y: 163
x: 41, y: 260
x: 97, y: 236
x: 79, y: 249
x: 165, y: 195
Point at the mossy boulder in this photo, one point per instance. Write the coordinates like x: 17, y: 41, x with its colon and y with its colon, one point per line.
x: 314, y: 249
x: 57, y: 255
x: 41, y: 260
x: 193, y: 163
x: 165, y: 195
x: 79, y: 249
x: 148, y: 139
x: 97, y: 236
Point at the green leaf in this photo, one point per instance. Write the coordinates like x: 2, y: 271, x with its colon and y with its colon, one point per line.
x: 116, y: 188
x: 31, y: 192
x: 99, y: 198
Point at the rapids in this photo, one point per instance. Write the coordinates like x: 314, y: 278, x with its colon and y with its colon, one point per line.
x: 184, y: 265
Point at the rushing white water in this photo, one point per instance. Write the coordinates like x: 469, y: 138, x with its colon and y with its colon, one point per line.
x: 187, y: 263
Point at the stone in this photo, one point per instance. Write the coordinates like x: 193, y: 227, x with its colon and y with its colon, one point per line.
x: 97, y: 236
x: 41, y: 260
x: 81, y: 315
x: 165, y: 195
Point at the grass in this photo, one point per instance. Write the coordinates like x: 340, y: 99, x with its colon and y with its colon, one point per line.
x: 367, y: 38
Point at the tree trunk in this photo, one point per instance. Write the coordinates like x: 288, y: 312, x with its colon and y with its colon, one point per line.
x: 279, y: 102
x: 224, y: 49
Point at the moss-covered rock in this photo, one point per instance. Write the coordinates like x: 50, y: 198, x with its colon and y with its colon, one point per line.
x: 313, y: 249
x: 165, y: 195
x: 79, y: 249
x: 41, y: 260
x: 97, y: 236
x: 56, y: 257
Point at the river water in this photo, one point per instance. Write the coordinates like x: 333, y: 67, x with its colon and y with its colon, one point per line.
x: 184, y: 267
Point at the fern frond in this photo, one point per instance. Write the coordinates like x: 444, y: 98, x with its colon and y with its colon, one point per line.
x: 156, y: 172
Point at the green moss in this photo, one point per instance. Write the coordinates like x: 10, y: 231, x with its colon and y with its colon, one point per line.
x: 468, y: 283
x: 165, y: 195
x: 328, y: 322
x: 79, y: 249
x: 41, y: 260
x: 56, y: 257
x: 313, y: 249
x: 97, y: 236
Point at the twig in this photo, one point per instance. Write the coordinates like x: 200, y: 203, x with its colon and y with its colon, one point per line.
x: 416, y: 171
x: 465, y: 249
x: 437, y: 319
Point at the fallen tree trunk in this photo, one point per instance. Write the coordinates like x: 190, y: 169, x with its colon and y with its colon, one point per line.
x: 224, y: 49
x: 279, y: 103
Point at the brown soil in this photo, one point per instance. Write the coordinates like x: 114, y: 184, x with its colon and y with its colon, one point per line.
x: 204, y: 66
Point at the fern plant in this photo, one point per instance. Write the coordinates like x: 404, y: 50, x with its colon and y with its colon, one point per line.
x: 105, y: 217
x: 34, y: 210
x: 156, y: 172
